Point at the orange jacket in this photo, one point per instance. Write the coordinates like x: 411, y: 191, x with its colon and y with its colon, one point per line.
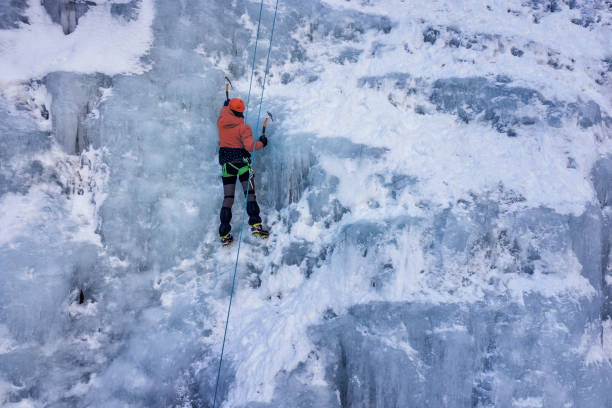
x: 234, y: 133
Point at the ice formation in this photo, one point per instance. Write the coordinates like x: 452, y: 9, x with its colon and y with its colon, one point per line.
x: 438, y: 185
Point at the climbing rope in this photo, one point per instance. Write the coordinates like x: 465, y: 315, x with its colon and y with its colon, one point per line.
x: 246, y: 112
x: 229, y: 308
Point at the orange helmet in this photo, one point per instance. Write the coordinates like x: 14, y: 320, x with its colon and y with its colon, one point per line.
x: 236, y: 104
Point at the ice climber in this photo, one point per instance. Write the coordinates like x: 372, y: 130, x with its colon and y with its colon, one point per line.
x: 235, y: 146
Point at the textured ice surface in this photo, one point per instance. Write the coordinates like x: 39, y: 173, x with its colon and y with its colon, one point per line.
x: 76, y: 98
x: 103, y: 41
x: 12, y: 13
x: 66, y: 12
x: 419, y: 255
x: 467, y: 348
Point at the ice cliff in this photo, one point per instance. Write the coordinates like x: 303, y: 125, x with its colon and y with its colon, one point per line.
x: 438, y: 185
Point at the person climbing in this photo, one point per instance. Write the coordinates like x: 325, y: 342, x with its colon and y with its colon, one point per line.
x: 235, y: 146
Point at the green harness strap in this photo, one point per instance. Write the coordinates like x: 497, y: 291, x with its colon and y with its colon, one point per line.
x: 241, y: 170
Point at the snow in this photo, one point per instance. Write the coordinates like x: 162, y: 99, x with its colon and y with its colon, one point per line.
x: 607, y: 339
x: 438, y: 230
x: 100, y: 43
x: 6, y: 345
x: 531, y: 402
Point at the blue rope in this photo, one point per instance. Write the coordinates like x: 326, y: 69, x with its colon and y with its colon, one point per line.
x: 250, y: 175
x: 264, y: 82
x: 246, y: 113
x: 236, y: 266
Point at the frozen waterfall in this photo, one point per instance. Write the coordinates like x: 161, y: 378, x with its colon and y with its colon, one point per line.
x: 438, y: 185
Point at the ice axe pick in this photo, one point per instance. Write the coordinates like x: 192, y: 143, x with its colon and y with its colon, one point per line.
x: 266, y: 122
x: 227, y: 86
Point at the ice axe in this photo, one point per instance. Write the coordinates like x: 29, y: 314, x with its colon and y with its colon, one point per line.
x: 266, y: 122
x: 227, y: 86
x: 263, y: 133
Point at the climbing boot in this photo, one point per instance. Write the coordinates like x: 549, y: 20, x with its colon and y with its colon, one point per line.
x: 258, y: 231
x: 227, y: 239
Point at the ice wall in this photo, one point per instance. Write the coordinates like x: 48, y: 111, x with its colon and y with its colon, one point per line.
x: 602, y: 176
x: 66, y: 12
x: 437, y: 184
x: 12, y: 13
x: 75, y: 99
x: 110, y: 39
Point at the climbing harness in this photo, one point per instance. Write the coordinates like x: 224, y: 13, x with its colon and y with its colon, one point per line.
x: 229, y: 308
x: 240, y: 170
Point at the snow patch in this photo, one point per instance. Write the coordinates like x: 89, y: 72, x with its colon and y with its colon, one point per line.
x: 530, y: 402
x: 6, y: 345
x: 607, y: 339
x: 100, y: 43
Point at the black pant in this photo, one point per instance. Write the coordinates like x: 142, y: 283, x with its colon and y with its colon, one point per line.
x: 229, y: 187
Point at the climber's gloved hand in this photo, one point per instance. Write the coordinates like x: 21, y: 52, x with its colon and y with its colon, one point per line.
x: 226, y: 102
x: 264, y: 140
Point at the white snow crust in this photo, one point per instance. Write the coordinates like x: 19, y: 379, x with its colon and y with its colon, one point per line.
x: 416, y: 258
x: 101, y: 43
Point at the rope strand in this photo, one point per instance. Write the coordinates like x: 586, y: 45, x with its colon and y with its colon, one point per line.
x: 250, y: 176
x: 235, y: 268
x: 246, y: 112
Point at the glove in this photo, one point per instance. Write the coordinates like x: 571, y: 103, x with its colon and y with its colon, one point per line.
x: 264, y: 140
x: 226, y: 103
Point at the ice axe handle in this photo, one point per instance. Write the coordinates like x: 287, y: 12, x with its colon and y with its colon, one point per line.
x: 264, y: 126
x: 227, y: 91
